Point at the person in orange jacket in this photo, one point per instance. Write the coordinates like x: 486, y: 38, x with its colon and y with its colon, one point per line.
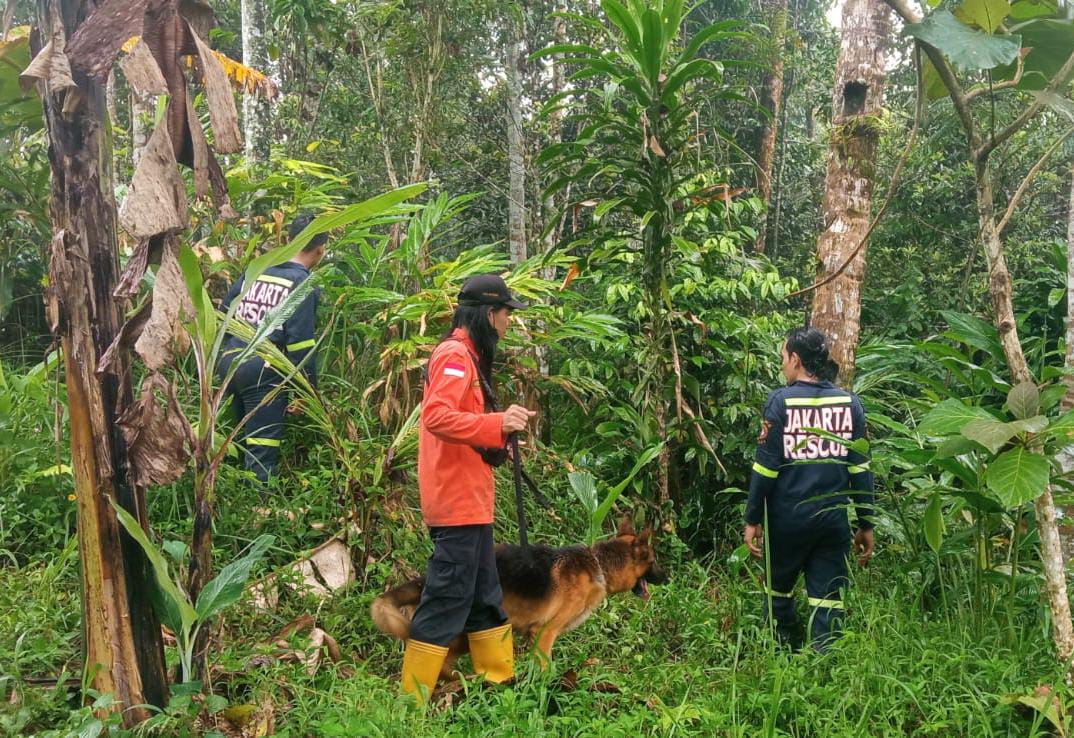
x: 457, y: 443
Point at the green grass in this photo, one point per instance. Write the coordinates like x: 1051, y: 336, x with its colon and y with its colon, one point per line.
x: 694, y: 660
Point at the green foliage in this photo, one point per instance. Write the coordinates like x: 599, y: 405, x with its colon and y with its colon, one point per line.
x: 171, y: 602
x: 964, y: 46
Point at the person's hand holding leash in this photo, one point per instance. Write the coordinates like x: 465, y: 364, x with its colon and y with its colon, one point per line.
x: 515, y: 418
x: 754, y: 538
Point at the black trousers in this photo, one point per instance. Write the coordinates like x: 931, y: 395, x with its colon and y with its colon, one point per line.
x: 462, y: 588
x: 821, y: 553
x: 261, y: 435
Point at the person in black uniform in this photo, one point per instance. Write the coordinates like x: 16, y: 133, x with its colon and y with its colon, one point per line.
x: 254, y: 380
x: 800, y: 501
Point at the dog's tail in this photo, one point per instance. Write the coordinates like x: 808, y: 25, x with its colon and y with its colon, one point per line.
x: 393, y: 610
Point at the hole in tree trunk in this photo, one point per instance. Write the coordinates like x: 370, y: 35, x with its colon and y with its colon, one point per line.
x: 854, y: 98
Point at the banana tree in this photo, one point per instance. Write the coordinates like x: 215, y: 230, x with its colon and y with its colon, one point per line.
x: 637, y: 93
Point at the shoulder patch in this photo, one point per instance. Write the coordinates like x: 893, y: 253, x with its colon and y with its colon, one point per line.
x: 763, y: 435
x: 451, y: 369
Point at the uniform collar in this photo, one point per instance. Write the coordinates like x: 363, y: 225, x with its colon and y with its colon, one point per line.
x: 462, y: 335
x: 823, y: 384
x: 296, y: 264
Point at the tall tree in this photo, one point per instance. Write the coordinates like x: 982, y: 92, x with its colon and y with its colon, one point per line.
x: 256, y: 110
x: 121, y: 639
x: 775, y: 11
x: 1066, y: 458
x: 516, y: 206
x: 848, y: 188
x: 942, y: 37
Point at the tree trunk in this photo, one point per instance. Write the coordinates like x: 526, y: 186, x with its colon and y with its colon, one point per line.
x: 848, y: 188
x: 122, y: 644
x: 256, y: 111
x: 771, y: 101
x: 1066, y: 457
x: 516, y: 205
x: 999, y: 290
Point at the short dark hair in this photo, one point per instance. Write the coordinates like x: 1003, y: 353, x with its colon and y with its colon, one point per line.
x: 299, y: 224
x: 812, y: 348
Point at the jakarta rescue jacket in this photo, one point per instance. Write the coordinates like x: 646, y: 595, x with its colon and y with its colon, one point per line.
x: 296, y: 336
x: 807, y: 479
x: 457, y: 486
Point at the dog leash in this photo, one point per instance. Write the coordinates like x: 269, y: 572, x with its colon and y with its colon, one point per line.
x: 516, y: 457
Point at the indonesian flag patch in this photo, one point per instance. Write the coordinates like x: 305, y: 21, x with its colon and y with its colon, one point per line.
x: 454, y: 370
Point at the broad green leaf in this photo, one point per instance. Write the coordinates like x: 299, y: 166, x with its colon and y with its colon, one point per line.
x: 973, y: 331
x: 985, y: 14
x: 176, y: 612
x: 950, y: 416
x: 205, y: 315
x: 933, y: 522
x: 584, y: 485
x: 965, y: 46
x: 1017, y: 476
x: 226, y: 588
x: 990, y: 433
x: 716, y: 31
x: 1062, y: 428
x: 1027, y: 9
x: 1030, y: 425
x: 1024, y: 400
x: 956, y: 446
x: 653, y: 46
x: 1049, y: 42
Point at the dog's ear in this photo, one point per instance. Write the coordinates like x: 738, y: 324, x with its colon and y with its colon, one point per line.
x: 626, y: 526
x: 645, y: 538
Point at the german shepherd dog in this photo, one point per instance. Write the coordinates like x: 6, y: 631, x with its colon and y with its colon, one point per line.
x: 546, y: 591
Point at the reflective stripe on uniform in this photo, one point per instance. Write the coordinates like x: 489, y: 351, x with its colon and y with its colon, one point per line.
x: 276, y: 280
x: 764, y: 471
x: 262, y: 441
x: 308, y: 343
x: 816, y: 401
x: 858, y: 469
x: 830, y: 604
x: 773, y: 593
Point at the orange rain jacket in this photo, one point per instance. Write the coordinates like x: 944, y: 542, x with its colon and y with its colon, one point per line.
x: 457, y: 486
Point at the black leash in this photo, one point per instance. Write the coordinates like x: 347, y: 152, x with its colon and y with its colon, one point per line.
x: 523, y: 538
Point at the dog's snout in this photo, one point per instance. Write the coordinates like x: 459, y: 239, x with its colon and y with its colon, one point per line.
x: 656, y: 575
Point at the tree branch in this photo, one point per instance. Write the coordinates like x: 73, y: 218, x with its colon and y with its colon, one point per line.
x: 1058, y: 82
x: 1033, y: 171
x: 1005, y: 85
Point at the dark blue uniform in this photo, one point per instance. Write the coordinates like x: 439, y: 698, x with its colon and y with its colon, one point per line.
x: 805, y: 483
x: 254, y: 379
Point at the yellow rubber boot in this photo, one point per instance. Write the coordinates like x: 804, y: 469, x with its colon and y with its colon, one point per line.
x: 493, y: 652
x: 421, y: 667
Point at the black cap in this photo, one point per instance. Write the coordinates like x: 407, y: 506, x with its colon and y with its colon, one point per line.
x: 488, y: 289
